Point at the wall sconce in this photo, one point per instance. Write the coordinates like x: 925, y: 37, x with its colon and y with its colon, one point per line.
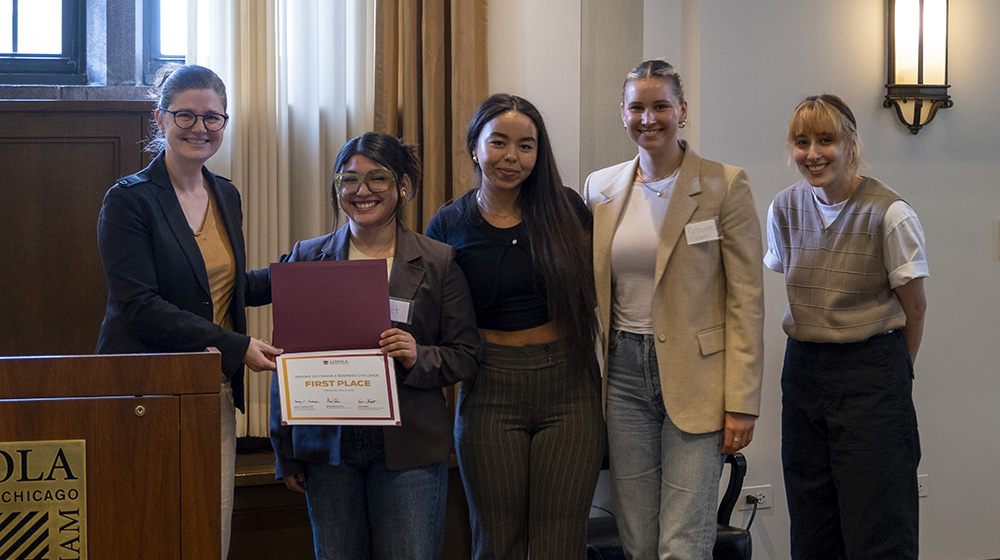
x: 917, y: 83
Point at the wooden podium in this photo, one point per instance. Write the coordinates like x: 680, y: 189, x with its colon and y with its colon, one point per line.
x: 151, y: 425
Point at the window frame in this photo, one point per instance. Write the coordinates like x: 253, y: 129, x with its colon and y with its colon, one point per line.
x: 152, y: 57
x: 67, y: 68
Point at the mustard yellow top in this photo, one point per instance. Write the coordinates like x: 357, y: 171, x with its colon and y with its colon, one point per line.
x: 213, y: 241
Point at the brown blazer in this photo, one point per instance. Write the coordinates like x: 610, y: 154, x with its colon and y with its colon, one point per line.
x: 708, y: 298
x: 424, y: 271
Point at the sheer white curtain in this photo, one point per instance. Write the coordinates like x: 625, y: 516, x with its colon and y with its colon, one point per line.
x: 298, y: 74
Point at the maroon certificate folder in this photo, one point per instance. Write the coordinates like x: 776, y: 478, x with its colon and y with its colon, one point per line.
x: 329, y: 305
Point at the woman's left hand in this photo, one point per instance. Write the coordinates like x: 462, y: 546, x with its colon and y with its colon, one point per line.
x: 738, y: 432
x: 399, y: 344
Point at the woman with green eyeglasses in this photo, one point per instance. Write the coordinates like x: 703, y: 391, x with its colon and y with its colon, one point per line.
x: 380, y: 492
x: 171, y: 242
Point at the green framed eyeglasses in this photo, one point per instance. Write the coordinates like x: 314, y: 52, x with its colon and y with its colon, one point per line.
x: 378, y: 180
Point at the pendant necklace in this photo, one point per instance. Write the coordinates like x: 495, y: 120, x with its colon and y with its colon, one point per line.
x: 482, y: 205
x: 642, y: 179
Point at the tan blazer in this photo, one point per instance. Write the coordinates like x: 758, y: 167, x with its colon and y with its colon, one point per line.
x: 708, y: 297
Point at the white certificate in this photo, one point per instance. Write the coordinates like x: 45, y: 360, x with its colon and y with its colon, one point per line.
x: 347, y: 387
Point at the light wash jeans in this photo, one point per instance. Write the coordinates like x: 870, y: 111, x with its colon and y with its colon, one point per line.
x: 360, y: 509
x: 664, y: 482
x: 228, y: 463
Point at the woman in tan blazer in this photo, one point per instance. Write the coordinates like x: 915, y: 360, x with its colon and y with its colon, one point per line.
x: 677, y: 248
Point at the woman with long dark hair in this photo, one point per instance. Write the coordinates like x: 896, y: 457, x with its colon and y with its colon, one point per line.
x: 530, y: 431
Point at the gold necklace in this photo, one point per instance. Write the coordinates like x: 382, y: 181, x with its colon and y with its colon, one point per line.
x: 482, y: 205
x: 642, y: 179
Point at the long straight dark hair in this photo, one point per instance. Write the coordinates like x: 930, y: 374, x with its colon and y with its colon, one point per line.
x: 560, y: 247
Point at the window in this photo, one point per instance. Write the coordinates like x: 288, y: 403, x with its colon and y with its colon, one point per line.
x: 75, y: 42
x: 42, y: 42
x: 164, y: 35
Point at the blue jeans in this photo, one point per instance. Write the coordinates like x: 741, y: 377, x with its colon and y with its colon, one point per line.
x: 360, y: 509
x: 664, y: 482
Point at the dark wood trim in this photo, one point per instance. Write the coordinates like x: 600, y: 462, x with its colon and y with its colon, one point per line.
x: 57, y: 159
x: 57, y: 106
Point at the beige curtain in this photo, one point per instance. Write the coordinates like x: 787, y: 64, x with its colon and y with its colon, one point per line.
x: 298, y: 88
x: 430, y: 75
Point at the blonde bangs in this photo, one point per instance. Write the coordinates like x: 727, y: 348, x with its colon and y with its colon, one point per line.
x: 815, y: 117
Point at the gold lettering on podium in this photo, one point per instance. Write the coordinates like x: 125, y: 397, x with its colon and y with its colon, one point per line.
x: 43, y: 500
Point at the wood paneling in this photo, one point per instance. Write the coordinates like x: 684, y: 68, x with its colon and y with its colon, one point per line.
x: 200, y: 474
x: 96, y: 376
x: 153, y: 474
x: 136, y: 512
x: 57, y: 159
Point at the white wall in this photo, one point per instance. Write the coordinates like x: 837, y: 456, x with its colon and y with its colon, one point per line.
x: 534, y: 52
x: 747, y: 64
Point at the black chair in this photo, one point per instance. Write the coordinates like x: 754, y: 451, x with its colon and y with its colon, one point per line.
x: 731, y: 543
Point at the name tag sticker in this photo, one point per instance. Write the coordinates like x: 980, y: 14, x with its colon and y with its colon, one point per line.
x: 701, y: 232
x: 401, y: 310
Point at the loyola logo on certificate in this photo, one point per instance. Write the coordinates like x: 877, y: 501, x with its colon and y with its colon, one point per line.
x: 43, y: 500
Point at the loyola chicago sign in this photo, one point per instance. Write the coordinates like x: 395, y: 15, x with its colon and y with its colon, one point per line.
x: 43, y: 500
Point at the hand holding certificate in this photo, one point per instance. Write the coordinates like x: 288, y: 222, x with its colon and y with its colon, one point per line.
x: 341, y: 387
x: 329, y: 317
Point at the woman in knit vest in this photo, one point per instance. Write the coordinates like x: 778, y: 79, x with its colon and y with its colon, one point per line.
x: 852, y: 252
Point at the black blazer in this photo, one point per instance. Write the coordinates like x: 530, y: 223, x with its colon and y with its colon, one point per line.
x: 158, y: 294
x: 444, y: 327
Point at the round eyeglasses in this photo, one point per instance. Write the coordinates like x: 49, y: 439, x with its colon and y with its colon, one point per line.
x: 213, y: 122
x: 378, y: 180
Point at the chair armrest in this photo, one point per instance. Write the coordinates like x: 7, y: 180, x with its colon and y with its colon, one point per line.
x: 737, y: 471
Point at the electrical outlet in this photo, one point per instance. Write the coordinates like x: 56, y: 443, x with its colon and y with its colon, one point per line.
x: 923, y: 486
x: 996, y: 231
x: 762, y: 493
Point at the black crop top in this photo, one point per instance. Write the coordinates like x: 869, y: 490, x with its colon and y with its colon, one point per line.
x: 508, y: 293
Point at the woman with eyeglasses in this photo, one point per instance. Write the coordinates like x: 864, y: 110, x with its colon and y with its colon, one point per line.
x: 380, y: 492
x: 171, y: 242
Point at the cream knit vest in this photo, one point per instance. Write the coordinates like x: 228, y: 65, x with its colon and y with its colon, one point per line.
x: 838, y: 287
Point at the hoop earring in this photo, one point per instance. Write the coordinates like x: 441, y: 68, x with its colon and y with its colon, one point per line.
x: 682, y: 125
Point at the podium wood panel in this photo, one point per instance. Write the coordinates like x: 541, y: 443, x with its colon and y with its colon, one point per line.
x: 201, y: 475
x: 153, y: 477
x: 98, y: 376
x: 132, y: 466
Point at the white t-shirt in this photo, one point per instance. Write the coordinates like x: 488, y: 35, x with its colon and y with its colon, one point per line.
x: 903, y: 250
x: 633, y: 255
